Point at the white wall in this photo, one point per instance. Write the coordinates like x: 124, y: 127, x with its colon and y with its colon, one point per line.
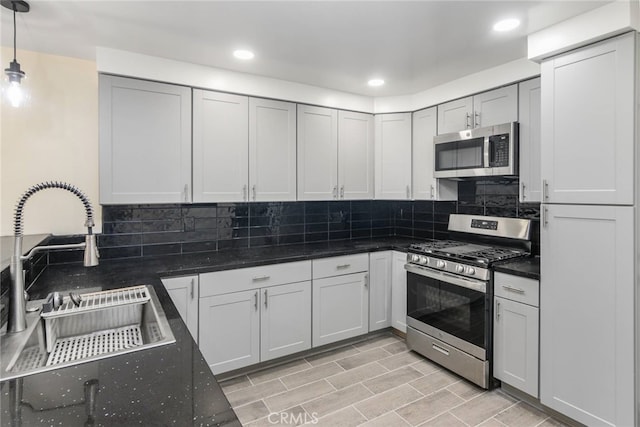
x: 53, y: 137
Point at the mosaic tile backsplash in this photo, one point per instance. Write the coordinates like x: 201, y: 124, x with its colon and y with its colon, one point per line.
x: 150, y: 230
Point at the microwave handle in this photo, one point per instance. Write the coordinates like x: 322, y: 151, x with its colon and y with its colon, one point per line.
x: 487, y: 150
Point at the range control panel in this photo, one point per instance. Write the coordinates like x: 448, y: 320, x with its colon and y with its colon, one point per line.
x: 484, y: 224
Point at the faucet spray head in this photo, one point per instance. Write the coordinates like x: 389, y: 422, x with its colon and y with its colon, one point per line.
x: 91, y: 254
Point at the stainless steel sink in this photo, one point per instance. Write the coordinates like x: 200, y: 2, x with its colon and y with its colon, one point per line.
x: 104, y: 324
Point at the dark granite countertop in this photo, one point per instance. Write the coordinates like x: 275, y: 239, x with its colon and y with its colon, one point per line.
x: 167, y: 385
x: 525, y: 267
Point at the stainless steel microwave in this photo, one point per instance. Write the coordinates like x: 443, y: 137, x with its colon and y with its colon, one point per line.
x: 487, y: 151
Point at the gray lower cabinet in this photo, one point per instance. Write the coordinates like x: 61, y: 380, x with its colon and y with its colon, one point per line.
x: 379, y: 290
x: 184, y: 294
x: 516, y: 332
x: 145, y: 141
x: 251, y: 315
x: 340, y: 298
x: 230, y: 330
x: 399, y: 291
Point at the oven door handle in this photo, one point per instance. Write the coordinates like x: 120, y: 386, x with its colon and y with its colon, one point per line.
x: 475, y: 285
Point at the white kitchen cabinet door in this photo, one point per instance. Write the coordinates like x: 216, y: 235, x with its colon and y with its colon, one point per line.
x: 230, y: 330
x: 317, y: 153
x: 379, y: 290
x: 454, y: 116
x: 272, y: 150
x: 285, y: 321
x: 340, y: 308
x: 495, y: 107
x: 184, y: 294
x: 425, y: 186
x: 530, y: 128
x: 145, y: 141
x: 220, y: 147
x: 355, y: 155
x: 399, y: 292
x: 587, y: 312
x: 515, y: 345
x: 588, y: 113
x: 393, y: 156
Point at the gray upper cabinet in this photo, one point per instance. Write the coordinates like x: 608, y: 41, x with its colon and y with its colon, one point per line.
x: 317, y: 153
x: 335, y: 154
x: 145, y: 141
x: 272, y: 150
x: 425, y: 186
x: 393, y: 156
x: 484, y: 109
x: 220, y: 147
x: 588, y: 144
x: 355, y: 155
x: 530, y: 127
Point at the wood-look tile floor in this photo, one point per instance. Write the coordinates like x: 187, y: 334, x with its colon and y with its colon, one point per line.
x: 373, y: 383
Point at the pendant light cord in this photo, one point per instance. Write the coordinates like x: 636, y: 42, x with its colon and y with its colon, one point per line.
x: 14, y: 31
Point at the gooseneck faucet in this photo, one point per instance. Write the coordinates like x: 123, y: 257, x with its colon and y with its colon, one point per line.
x: 17, y: 321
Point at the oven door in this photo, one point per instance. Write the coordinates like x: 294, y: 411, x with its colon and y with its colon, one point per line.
x: 451, y: 308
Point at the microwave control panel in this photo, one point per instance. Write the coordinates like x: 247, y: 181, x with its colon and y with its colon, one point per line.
x: 499, y: 150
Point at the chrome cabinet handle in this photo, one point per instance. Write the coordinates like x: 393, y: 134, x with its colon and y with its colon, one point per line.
x: 244, y: 193
x: 477, y: 119
x: 433, y: 192
x: 366, y: 280
x: 253, y: 190
x: 342, y: 192
x: 545, y: 213
x: 523, y: 194
x: 512, y: 289
x: 186, y: 192
x: 335, y: 191
x: 265, y: 298
x: 255, y: 303
x: 408, y: 192
x: 545, y: 189
x: 342, y: 266
x: 261, y: 278
x: 467, y: 121
x: 192, y: 286
x: 497, y: 310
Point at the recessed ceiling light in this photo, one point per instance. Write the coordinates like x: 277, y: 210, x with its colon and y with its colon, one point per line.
x: 243, y: 54
x: 506, y: 24
x: 375, y: 82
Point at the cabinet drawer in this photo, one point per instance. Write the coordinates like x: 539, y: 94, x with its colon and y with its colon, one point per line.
x: 242, y: 279
x: 516, y: 288
x: 337, y: 266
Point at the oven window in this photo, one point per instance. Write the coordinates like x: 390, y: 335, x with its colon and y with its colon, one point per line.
x: 450, y: 308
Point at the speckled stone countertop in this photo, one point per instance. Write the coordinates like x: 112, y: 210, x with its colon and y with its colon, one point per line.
x: 167, y: 385
x: 525, y: 267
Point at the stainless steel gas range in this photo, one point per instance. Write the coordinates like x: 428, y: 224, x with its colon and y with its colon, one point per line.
x: 450, y: 291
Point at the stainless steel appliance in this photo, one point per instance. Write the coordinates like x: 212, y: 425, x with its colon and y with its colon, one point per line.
x: 450, y: 292
x: 487, y: 151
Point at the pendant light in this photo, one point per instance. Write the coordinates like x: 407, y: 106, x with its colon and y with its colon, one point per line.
x: 14, y: 73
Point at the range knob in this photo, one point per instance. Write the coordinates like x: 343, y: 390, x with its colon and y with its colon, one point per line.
x: 459, y: 269
x: 440, y: 264
x: 423, y: 260
x: 470, y: 271
x: 415, y: 258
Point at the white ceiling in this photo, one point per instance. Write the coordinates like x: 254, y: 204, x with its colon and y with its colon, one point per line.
x: 413, y: 45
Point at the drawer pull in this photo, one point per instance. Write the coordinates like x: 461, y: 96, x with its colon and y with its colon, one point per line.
x: 440, y: 349
x: 512, y: 289
x: 342, y: 266
x: 261, y: 278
